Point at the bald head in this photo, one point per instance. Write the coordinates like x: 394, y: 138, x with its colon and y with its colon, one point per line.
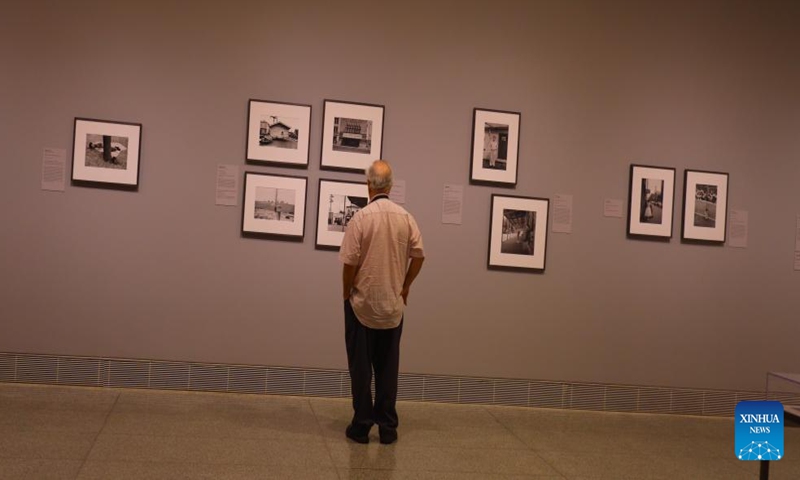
x: 379, y: 177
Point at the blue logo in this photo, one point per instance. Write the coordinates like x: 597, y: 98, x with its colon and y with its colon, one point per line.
x: 759, y: 431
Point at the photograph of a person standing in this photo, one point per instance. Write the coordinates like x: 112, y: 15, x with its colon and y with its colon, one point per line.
x: 382, y: 254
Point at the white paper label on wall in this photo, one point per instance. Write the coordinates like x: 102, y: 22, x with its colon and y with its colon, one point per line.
x: 612, y: 207
x: 452, y: 204
x: 398, y: 192
x: 227, y: 185
x: 737, y: 229
x: 797, y: 235
x: 562, y: 214
x: 54, y: 161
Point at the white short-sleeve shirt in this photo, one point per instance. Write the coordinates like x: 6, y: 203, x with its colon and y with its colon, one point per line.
x: 379, y: 240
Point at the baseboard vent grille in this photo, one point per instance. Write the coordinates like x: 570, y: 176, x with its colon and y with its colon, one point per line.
x: 36, y: 369
x: 243, y: 379
x: 254, y: 379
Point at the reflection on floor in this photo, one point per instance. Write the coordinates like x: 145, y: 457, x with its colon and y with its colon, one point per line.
x: 63, y: 432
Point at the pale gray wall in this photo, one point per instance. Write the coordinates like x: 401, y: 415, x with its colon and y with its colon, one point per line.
x: 163, y: 273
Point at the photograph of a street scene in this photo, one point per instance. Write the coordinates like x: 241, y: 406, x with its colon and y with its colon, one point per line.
x: 652, y: 199
x: 341, y: 209
x: 106, y: 151
x: 277, y: 131
x: 352, y: 135
x: 705, y: 206
x: 274, y: 204
x: 518, y: 232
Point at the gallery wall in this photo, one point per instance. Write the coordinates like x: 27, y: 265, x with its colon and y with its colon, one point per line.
x: 164, y: 273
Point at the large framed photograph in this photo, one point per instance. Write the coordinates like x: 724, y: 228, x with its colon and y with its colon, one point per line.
x: 495, y: 147
x: 106, y: 153
x: 274, y: 206
x: 278, y: 133
x: 705, y: 206
x: 518, y: 233
x: 651, y: 195
x: 338, y: 202
x: 352, y: 135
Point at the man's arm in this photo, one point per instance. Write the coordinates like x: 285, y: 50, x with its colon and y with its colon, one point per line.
x: 348, y: 276
x: 411, y: 274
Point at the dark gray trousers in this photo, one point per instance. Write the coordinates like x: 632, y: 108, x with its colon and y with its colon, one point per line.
x: 369, y: 350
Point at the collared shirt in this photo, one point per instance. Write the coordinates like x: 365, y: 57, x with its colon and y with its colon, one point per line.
x: 379, y: 240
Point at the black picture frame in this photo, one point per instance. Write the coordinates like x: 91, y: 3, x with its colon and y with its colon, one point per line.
x: 494, y: 152
x: 106, y: 153
x: 352, y: 135
x: 274, y: 206
x: 651, y: 197
x: 705, y: 206
x: 278, y: 133
x: 337, y: 202
x: 518, y: 231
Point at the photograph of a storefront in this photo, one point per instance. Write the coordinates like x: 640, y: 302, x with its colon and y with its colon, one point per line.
x: 352, y: 135
x: 341, y: 210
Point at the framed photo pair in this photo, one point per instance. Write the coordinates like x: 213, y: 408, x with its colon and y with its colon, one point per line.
x: 274, y: 206
x: 518, y: 233
x: 106, y: 153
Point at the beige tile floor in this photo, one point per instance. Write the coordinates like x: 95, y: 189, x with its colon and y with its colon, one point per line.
x: 91, y: 433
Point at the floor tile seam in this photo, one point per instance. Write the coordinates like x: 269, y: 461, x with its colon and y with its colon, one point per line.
x: 514, y: 434
x: 428, y: 447
x: 210, y: 464
x: 430, y: 469
x: 29, y: 432
x: 457, y: 469
x: 275, y: 463
x: 322, y: 436
x: 217, y: 437
x: 76, y: 458
x: 97, y: 435
x: 334, y: 467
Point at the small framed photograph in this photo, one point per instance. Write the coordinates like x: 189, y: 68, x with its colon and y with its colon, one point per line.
x: 495, y: 147
x: 274, y: 206
x: 518, y: 233
x: 278, y: 133
x: 338, y: 202
x: 106, y: 153
x: 651, y: 195
x: 352, y: 135
x: 705, y: 206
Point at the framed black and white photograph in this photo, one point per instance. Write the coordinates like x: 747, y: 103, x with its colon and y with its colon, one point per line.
x: 274, y: 206
x: 278, y: 133
x: 106, y: 153
x: 651, y: 195
x: 495, y: 147
x: 518, y: 233
x: 705, y: 206
x: 338, y: 202
x: 352, y: 135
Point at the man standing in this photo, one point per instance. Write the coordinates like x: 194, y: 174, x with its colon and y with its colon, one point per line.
x: 494, y: 144
x: 379, y: 241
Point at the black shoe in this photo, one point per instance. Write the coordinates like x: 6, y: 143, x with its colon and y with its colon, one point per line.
x: 388, y: 435
x: 352, y: 434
